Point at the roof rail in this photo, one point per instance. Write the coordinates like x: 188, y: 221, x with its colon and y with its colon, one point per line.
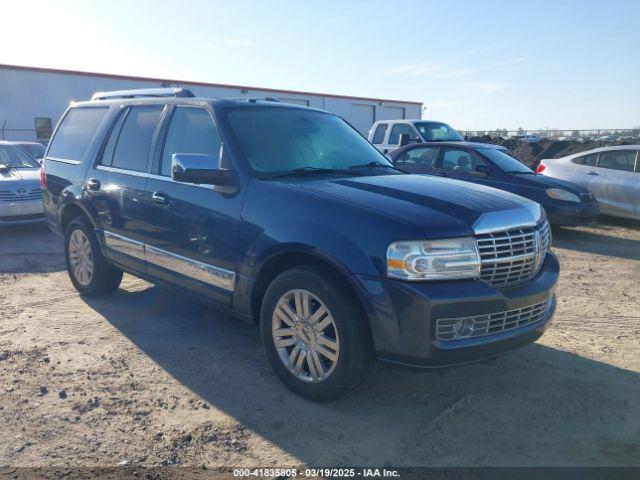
x: 143, y: 92
x: 256, y: 99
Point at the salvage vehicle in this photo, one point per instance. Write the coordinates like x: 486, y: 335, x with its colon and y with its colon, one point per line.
x: 20, y: 193
x: 611, y: 173
x: 564, y: 202
x: 387, y: 135
x: 285, y: 215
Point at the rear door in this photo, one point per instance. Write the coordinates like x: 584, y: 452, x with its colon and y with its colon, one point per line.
x: 194, y: 240
x: 615, y: 183
x: 116, y: 184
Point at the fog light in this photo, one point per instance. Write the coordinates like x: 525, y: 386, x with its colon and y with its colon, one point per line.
x: 464, y: 327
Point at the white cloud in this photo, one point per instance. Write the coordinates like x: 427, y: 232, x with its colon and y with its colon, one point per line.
x: 485, y: 87
x: 423, y: 68
x: 457, y: 73
x: 509, y: 61
x: 240, y: 42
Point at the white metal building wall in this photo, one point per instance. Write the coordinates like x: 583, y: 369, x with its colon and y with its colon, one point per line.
x: 27, y: 93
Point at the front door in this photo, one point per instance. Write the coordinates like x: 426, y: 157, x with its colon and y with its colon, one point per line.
x: 419, y: 160
x: 462, y: 164
x: 615, y: 183
x: 196, y: 228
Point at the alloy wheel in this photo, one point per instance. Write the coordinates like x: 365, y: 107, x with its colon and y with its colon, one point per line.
x: 305, y: 336
x: 81, y: 257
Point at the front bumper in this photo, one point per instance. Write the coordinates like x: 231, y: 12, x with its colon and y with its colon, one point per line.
x: 574, y: 214
x: 403, y: 316
x: 12, y: 213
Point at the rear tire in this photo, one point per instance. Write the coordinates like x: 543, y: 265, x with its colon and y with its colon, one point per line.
x: 89, y: 271
x: 315, y: 334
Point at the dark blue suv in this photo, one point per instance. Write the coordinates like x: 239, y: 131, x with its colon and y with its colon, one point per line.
x: 287, y: 216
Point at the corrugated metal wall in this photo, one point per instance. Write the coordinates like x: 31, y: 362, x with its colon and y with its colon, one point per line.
x: 27, y: 94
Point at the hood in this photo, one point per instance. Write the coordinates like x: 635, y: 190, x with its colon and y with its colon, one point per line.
x: 24, y: 177
x: 441, y: 207
x: 544, y: 182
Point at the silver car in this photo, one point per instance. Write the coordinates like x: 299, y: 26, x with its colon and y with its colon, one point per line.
x: 20, y: 193
x: 612, y: 174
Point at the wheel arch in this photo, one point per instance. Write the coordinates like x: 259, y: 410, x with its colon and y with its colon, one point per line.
x: 282, y: 261
x: 71, y: 211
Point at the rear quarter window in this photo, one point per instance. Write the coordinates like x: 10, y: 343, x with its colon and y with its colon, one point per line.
x: 75, y: 133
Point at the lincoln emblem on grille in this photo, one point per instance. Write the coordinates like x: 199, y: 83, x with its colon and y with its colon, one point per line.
x: 22, y: 191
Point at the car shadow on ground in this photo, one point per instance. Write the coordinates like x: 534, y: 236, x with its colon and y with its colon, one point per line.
x: 30, y: 248
x: 598, y: 241
x: 534, y: 406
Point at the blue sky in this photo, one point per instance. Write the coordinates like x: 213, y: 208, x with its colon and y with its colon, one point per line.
x: 474, y: 64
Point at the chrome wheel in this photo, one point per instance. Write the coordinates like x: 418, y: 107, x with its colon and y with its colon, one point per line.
x: 81, y: 257
x: 305, y: 336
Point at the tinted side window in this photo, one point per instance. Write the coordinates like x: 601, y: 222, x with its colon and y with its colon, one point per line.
x: 192, y: 130
x: 460, y: 162
x: 398, y: 128
x: 107, y: 153
x: 135, y: 139
x: 424, y: 157
x: 588, y: 160
x: 75, y: 133
x: 623, y: 160
x: 378, y: 136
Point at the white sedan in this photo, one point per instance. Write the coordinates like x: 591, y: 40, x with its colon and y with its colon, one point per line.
x: 612, y: 174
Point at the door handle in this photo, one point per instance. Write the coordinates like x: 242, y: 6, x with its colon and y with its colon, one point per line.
x: 160, y: 197
x: 93, y: 184
x: 591, y: 172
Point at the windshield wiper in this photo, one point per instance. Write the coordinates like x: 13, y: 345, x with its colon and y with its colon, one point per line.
x: 308, y: 171
x: 373, y: 165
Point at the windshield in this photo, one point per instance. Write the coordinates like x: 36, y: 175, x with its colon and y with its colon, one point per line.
x: 34, y: 149
x: 437, y: 132
x: 503, y: 161
x: 279, y: 140
x: 13, y: 157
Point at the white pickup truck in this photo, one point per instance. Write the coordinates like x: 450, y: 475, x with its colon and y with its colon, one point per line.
x: 386, y: 134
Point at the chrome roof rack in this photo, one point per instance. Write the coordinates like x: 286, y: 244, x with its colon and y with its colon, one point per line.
x: 144, y: 92
x: 255, y: 99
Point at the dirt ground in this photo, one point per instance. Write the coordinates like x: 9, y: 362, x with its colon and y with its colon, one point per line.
x: 147, y: 377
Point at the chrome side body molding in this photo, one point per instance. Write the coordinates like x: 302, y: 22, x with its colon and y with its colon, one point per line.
x: 203, y: 272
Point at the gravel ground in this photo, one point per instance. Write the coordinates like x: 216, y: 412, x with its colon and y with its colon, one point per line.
x: 147, y: 377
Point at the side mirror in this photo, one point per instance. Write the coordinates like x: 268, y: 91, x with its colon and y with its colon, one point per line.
x: 482, y: 168
x: 3, y: 168
x: 403, y: 139
x: 193, y: 168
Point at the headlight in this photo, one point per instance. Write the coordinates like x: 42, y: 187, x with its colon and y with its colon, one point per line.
x: 434, y: 259
x: 560, y: 194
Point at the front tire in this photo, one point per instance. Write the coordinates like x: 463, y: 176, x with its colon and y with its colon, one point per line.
x: 90, y: 273
x: 315, y: 335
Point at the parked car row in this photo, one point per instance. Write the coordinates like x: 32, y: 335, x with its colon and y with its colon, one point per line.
x: 285, y: 215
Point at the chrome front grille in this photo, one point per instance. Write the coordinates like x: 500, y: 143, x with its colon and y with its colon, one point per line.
x: 512, y: 257
x: 14, y: 196
x: 481, y: 325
